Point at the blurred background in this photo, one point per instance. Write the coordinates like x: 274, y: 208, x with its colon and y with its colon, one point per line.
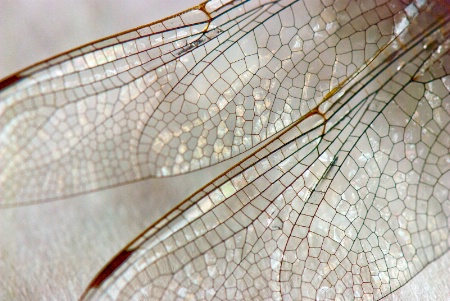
x: 51, y: 251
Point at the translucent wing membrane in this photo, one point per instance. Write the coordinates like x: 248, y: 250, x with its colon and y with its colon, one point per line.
x: 349, y: 202
x: 345, y: 106
x: 180, y: 94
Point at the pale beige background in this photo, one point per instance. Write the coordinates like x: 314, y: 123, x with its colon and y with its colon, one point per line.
x: 52, y: 251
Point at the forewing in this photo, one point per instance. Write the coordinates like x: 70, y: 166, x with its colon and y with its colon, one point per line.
x: 351, y: 201
x: 180, y: 94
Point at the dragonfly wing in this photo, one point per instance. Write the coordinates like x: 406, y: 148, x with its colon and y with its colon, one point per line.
x: 180, y: 94
x: 349, y: 202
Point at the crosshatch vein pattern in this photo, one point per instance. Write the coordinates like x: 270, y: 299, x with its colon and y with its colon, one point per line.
x: 181, y: 94
x: 346, y: 194
x: 349, y: 202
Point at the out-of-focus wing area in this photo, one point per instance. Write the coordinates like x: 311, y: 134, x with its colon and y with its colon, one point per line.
x: 52, y: 251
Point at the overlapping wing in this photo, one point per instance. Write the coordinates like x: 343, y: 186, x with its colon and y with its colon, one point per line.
x: 349, y: 202
x: 180, y: 94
